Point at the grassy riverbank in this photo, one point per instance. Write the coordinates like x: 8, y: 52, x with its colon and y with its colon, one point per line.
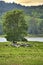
x: 33, y: 35
x: 21, y: 56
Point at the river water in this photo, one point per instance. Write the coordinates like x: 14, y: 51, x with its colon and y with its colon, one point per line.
x: 3, y: 39
x: 39, y: 39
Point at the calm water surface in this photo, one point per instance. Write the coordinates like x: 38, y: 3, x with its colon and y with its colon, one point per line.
x: 39, y: 39
x: 3, y: 39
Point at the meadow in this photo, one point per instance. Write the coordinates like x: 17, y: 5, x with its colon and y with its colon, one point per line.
x: 10, y: 55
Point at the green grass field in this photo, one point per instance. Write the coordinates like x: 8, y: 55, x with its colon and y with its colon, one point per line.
x: 21, y: 56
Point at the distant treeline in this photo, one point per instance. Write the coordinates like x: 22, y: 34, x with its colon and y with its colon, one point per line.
x: 29, y: 10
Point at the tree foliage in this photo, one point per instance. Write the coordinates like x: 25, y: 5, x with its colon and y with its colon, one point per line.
x: 41, y: 27
x: 33, y: 27
x: 15, y: 25
x: 1, y: 29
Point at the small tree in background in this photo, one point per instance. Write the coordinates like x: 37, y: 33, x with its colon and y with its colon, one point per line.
x: 15, y: 25
x: 33, y: 27
x: 41, y: 27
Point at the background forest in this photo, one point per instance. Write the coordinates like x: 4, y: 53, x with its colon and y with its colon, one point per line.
x: 33, y: 16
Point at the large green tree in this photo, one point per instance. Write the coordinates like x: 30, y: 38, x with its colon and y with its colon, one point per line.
x: 15, y: 25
